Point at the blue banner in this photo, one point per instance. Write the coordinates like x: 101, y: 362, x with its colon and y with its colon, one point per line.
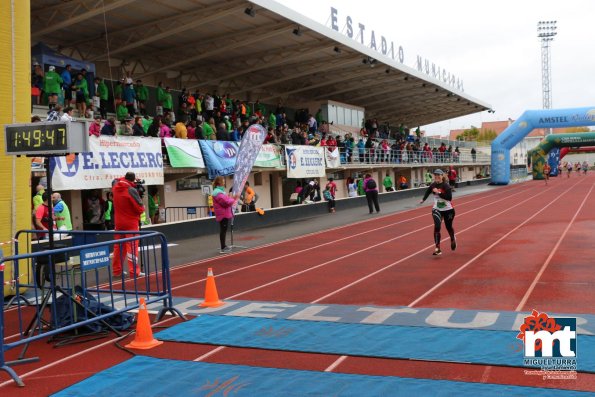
x: 220, y: 157
x: 553, y: 160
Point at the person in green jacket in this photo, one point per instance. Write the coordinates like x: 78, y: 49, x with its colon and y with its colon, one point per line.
x: 37, y: 199
x: 61, y: 212
x: 108, y: 211
x: 428, y: 178
x: 388, y: 183
x: 51, y: 86
x: 142, y: 95
x: 272, y: 120
x: 118, y: 91
x: 160, y: 94
x: 102, y: 93
x: 122, y: 112
x: 82, y: 94
x: 360, y: 187
x: 146, y: 124
x: 168, y: 102
x: 208, y: 131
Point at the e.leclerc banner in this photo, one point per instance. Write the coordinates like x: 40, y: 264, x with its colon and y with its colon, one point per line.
x: 110, y: 157
x: 184, y: 153
x: 220, y: 157
x: 305, y: 161
x: 249, y: 148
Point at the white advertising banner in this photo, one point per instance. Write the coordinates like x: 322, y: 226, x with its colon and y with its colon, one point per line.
x: 110, y: 157
x: 304, y: 161
x: 184, y: 153
x: 331, y: 155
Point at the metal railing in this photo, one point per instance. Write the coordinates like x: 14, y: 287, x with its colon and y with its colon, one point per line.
x: 73, y: 288
x: 174, y: 214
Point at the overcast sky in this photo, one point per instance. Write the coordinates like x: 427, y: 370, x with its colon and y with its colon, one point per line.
x: 492, y: 46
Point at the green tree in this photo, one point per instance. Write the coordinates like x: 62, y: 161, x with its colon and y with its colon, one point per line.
x: 470, y: 134
x: 487, y: 136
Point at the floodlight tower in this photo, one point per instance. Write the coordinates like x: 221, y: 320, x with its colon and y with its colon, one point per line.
x: 546, y: 30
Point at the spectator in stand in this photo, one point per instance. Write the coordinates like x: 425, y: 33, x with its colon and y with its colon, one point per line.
x: 122, y: 112
x: 183, y: 113
x: 449, y: 153
x: 82, y: 93
x: 126, y: 127
x: 129, y: 96
x: 371, y: 189
x: 318, y: 117
x: 67, y: 115
x: 52, y: 83
x: 191, y: 129
x: 142, y: 95
x: 66, y: 77
x: 36, y: 84
x: 164, y: 130
x: 137, y: 128
x: 369, y: 150
x: 199, y: 133
x: 456, y: 155
x: 209, y: 106
x: 270, y: 136
x: 180, y: 130
x: 160, y: 92
x: 222, y: 134
x: 312, y: 124
x: 109, y: 127
x: 361, y: 147
x: 155, y: 127
x: 473, y: 154
x: 386, y: 149
x: 272, y: 120
x: 102, y: 92
x: 442, y: 152
x: 349, y: 146
x: 95, y: 127
x: 388, y: 183
x: 54, y: 114
x: 168, y: 104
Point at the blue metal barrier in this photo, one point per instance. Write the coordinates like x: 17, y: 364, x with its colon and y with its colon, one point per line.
x: 78, y: 287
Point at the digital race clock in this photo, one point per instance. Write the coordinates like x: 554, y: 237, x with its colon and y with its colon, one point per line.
x: 45, y: 138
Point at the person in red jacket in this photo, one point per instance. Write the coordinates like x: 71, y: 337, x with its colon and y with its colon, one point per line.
x: 128, y: 206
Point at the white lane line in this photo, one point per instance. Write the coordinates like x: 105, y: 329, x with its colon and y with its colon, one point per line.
x: 551, y: 255
x: 464, y: 266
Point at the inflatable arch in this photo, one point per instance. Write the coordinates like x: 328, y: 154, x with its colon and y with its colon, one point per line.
x: 530, y: 120
x: 543, y: 152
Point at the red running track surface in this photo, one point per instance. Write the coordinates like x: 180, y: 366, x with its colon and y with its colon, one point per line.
x: 520, y: 247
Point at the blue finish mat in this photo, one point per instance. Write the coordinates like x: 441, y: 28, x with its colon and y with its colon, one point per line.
x: 387, y: 341
x: 148, y: 377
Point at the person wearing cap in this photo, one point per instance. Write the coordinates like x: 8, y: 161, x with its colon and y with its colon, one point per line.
x: 126, y: 128
x: 442, y: 209
x: 51, y: 86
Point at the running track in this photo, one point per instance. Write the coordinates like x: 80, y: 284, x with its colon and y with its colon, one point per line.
x: 520, y: 247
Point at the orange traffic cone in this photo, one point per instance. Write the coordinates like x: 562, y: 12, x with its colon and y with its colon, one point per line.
x: 211, y: 295
x: 143, y: 339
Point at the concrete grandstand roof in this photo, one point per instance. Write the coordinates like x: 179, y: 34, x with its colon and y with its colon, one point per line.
x: 216, y: 45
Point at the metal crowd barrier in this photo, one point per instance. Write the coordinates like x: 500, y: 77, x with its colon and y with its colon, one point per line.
x: 174, y: 214
x: 73, y: 292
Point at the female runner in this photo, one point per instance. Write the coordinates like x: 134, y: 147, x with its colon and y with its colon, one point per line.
x: 442, y: 209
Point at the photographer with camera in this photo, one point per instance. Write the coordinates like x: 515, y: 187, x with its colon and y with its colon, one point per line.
x: 128, y: 207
